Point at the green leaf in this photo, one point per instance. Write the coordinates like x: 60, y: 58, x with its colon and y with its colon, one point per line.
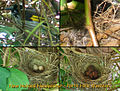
x: 65, y: 89
x: 70, y: 81
x: 62, y: 72
x: 7, y: 29
x: 7, y: 33
x: 17, y: 79
x: 1, y: 61
x: 117, y: 81
x: 116, y: 50
x: 73, y: 17
x: 75, y: 5
x: 71, y: 5
x: 4, y: 74
x: 63, y: 2
x: 32, y: 32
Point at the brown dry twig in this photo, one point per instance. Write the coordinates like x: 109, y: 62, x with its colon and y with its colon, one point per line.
x: 107, y: 22
x: 109, y: 32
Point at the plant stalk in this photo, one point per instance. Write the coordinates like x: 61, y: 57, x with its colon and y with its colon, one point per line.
x: 89, y: 24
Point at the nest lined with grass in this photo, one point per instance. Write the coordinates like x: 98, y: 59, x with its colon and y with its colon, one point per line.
x: 81, y: 66
x: 41, y: 68
x: 86, y: 68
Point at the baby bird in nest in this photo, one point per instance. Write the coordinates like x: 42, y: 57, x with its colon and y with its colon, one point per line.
x: 92, y: 73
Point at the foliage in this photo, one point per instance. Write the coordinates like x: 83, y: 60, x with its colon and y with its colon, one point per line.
x: 27, y: 32
x: 116, y: 50
x: 4, y: 74
x: 116, y: 79
x: 7, y: 35
x: 71, y: 13
x: 10, y: 77
x: 17, y: 78
x: 33, y: 31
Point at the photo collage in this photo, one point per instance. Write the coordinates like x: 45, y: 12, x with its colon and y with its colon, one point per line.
x: 59, y: 45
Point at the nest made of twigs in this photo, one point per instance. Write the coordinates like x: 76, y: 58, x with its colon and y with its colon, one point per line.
x: 41, y: 68
x: 107, y: 23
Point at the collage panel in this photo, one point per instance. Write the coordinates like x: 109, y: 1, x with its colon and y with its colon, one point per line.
x: 90, y: 23
x: 29, y: 23
x: 29, y: 69
x: 90, y: 69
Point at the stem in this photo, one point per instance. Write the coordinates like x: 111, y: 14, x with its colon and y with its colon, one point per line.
x: 5, y: 57
x: 89, y: 23
x: 23, y: 16
x: 46, y: 19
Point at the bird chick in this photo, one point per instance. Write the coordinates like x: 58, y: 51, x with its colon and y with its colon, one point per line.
x: 91, y: 72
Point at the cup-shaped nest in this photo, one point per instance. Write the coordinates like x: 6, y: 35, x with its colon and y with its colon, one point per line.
x: 41, y: 68
x: 89, y: 69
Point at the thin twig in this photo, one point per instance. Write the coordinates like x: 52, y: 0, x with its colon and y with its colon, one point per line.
x: 109, y: 32
x: 66, y: 29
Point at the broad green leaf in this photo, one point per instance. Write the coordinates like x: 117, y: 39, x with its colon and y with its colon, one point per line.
x: 4, y: 74
x: 17, y: 79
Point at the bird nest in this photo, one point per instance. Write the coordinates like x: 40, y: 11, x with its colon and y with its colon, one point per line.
x: 86, y: 68
x: 41, y: 68
x: 107, y: 23
x: 89, y: 69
